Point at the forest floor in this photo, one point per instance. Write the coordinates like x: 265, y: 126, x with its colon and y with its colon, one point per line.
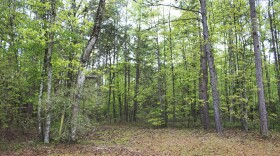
x: 136, y: 140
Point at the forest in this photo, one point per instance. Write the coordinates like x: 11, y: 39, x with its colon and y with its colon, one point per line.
x: 73, y: 69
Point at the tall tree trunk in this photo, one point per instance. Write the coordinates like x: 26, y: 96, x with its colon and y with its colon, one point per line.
x: 49, y: 91
x: 137, y: 70
x: 128, y: 118
x: 165, y: 109
x: 231, y: 70
x: 203, y: 81
x: 115, y: 62
x: 212, y: 70
x: 39, y: 107
x: 81, y: 74
x: 172, y: 69
x: 258, y: 64
x: 42, y: 82
x: 126, y: 68
x: 49, y: 70
x: 49, y: 102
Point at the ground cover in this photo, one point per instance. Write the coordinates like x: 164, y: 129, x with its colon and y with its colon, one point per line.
x: 136, y: 140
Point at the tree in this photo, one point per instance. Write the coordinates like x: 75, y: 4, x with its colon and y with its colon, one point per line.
x: 258, y: 65
x: 149, y: 63
x: 83, y: 61
x: 49, y: 71
x: 203, y: 81
x: 212, y: 70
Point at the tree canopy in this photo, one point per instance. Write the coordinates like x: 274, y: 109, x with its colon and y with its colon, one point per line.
x: 69, y: 64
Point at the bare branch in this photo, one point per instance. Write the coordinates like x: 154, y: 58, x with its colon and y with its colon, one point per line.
x: 191, y: 9
x: 175, y: 20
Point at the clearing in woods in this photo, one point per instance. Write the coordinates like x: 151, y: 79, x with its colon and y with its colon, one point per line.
x: 136, y: 140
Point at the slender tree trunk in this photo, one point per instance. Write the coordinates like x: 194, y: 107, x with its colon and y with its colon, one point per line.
x: 114, y: 105
x: 267, y: 76
x: 125, y: 93
x: 274, y: 48
x: 109, y: 100
x: 137, y: 78
x: 165, y: 110
x: 275, y: 35
x: 172, y: 69
x: 39, y: 109
x: 159, y: 72
x: 61, y: 121
x: 137, y: 71
x: 128, y: 118
x: 81, y: 74
x: 244, y: 105
x: 212, y: 70
x: 231, y: 69
x: 49, y: 69
x: 258, y: 64
x: 120, y: 106
x: 277, y: 45
x: 110, y: 86
x: 42, y: 82
x: 160, y: 79
x: 49, y: 102
x: 243, y: 94
x: 126, y: 69
x: 194, y: 103
x: 114, y: 74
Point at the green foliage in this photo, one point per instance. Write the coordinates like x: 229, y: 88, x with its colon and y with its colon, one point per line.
x: 165, y: 48
x: 155, y: 117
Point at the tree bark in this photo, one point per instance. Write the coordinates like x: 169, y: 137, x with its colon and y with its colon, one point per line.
x: 258, y: 64
x: 232, y: 71
x: 137, y: 70
x: 81, y: 74
x: 203, y: 96
x: 212, y: 70
x: 203, y: 81
x: 126, y: 70
x: 49, y: 70
x: 39, y: 107
x: 115, y: 62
